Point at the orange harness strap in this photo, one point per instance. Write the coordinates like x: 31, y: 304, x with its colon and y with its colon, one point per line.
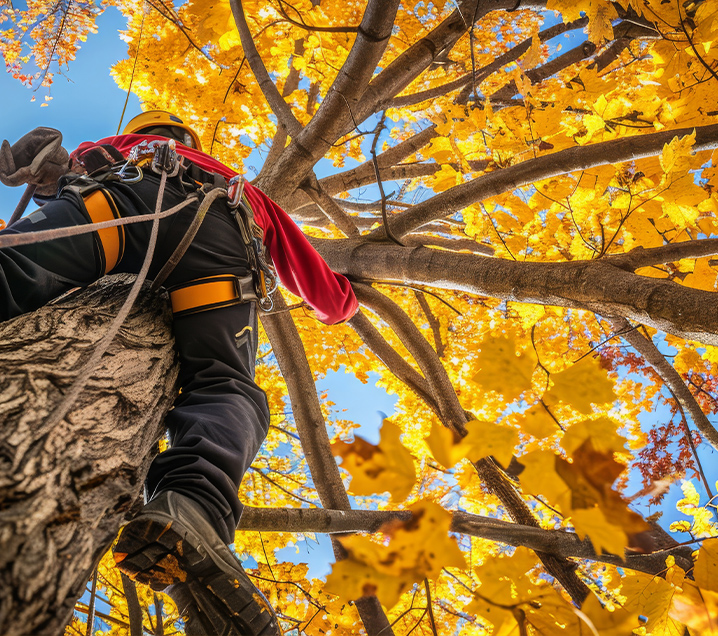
x: 211, y: 292
x: 101, y: 207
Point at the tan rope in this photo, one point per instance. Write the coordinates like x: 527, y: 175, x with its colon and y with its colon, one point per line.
x: 188, y: 237
x: 28, y: 238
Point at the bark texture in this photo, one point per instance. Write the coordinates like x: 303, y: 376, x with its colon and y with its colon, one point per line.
x: 65, y: 490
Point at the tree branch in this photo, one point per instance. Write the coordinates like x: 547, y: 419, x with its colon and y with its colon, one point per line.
x: 418, y: 57
x: 669, y: 253
x: 595, y: 286
x: 453, y: 414
x: 559, y: 567
x: 560, y: 543
x: 336, y: 112
x: 392, y: 360
x: 292, y: 359
x: 328, y: 206
x: 669, y: 375
x: 541, y: 168
x: 280, y: 108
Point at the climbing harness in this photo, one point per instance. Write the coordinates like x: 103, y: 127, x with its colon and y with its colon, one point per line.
x: 210, y: 292
x: 265, y: 280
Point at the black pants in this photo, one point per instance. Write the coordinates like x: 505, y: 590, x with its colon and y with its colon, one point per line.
x: 220, y: 418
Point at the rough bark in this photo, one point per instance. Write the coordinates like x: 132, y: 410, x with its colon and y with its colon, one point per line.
x: 65, y: 490
x: 559, y: 543
x: 598, y: 286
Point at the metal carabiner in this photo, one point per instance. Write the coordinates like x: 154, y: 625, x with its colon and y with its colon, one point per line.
x: 235, y: 190
x: 121, y: 174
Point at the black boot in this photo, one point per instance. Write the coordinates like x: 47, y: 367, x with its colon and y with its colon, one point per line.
x: 172, y: 547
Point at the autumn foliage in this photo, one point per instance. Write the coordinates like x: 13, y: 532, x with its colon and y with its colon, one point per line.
x: 525, y: 196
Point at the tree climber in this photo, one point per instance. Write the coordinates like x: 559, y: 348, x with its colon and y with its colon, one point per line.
x: 178, y: 542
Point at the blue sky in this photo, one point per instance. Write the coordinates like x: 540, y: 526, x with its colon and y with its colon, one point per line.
x: 86, y: 103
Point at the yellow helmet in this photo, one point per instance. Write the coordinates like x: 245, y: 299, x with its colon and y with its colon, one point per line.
x: 160, y: 122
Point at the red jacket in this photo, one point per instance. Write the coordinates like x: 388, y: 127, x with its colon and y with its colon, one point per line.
x: 300, y: 268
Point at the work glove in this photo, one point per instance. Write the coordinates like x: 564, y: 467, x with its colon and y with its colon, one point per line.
x: 37, y: 159
x: 95, y: 159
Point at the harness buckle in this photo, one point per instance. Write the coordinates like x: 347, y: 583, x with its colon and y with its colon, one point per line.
x: 164, y: 158
x: 161, y: 155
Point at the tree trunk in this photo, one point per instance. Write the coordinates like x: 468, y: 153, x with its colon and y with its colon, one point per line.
x: 65, y: 490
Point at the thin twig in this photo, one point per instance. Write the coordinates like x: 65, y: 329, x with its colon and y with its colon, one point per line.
x: 132, y: 75
x: 91, y: 606
x: 432, y: 622
x: 379, y: 183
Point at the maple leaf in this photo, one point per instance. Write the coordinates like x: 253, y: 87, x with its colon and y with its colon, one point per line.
x: 387, y: 466
x: 416, y: 549
x: 503, y: 370
x: 581, y: 385
x: 482, y: 440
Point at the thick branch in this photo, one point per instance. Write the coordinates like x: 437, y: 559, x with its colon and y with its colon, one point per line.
x: 356, y: 177
x: 330, y: 207
x: 392, y: 360
x: 541, y: 168
x: 669, y: 375
x: 591, y: 285
x: 453, y: 414
x: 560, y: 62
x: 279, y: 107
x: 453, y: 244
x: 670, y: 253
x: 418, y: 57
x: 337, y: 110
x: 557, y: 566
x: 510, y: 56
x: 559, y: 543
x: 292, y: 359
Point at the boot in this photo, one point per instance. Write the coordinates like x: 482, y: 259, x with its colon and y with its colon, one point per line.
x: 172, y: 547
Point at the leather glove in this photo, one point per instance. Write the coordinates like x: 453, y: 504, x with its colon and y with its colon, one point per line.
x: 95, y: 159
x: 37, y: 159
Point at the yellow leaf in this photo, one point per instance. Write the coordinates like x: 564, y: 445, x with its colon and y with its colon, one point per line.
x: 604, y: 536
x: 581, y: 385
x: 593, y: 124
x: 703, y: 276
x: 697, y: 608
x: 652, y: 597
x: 706, y: 570
x: 443, y: 445
x: 376, y: 469
x: 537, y: 422
x: 417, y: 549
x: 600, y: 14
x: 446, y: 178
x: 482, y: 439
x: 539, y: 477
x: 676, y: 154
x: 503, y: 370
x: 601, y: 432
x: 616, y: 621
x: 532, y: 57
